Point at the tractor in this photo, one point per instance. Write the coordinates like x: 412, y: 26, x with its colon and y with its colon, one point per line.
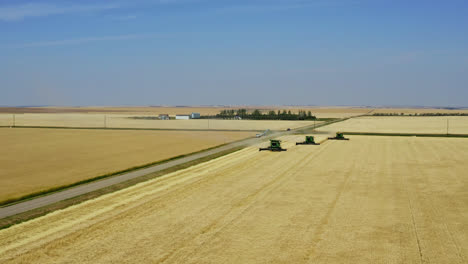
x: 275, y: 145
x: 339, y: 136
x: 309, y: 140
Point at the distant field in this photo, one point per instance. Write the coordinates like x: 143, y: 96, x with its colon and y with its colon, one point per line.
x: 122, y: 110
x: 322, y: 112
x: 319, y: 111
x: 125, y: 121
x: 119, y: 121
x: 457, y: 125
x: 33, y: 160
x: 418, y: 110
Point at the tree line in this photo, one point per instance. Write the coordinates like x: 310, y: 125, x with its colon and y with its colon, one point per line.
x: 270, y: 115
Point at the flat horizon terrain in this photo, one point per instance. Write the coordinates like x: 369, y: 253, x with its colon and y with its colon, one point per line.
x: 128, y: 121
x: 319, y: 111
x: 367, y: 200
x: 34, y: 160
x: 402, y: 124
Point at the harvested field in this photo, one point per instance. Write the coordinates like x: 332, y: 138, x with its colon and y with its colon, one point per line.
x: 259, y: 125
x: 367, y: 200
x: 413, y: 111
x: 402, y: 124
x: 171, y: 110
x: 322, y: 112
x: 34, y: 160
x: 126, y: 121
x: 337, y: 112
x: 137, y: 110
x: 319, y: 111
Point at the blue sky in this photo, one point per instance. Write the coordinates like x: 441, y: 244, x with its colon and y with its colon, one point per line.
x: 225, y: 52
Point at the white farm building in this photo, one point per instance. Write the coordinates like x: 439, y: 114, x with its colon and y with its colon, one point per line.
x: 182, y: 117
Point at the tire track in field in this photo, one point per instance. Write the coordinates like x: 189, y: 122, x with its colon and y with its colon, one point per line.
x: 118, y: 211
x: 395, y: 168
x: 454, y: 202
x: 211, y: 231
x: 207, y: 228
x: 411, y: 209
x: 156, y: 204
x: 224, y: 216
x: 434, y: 210
x: 319, y: 230
x: 108, y: 211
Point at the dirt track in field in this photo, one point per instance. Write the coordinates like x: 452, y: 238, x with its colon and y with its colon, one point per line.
x: 367, y: 200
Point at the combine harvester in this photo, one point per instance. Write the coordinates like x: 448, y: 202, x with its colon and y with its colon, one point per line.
x: 339, y: 136
x: 275, y: 145
x: 309, y: 140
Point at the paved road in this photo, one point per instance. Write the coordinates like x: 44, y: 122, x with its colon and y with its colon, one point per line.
x: 52, y: 198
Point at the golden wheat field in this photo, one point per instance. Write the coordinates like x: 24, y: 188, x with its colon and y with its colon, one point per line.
x: 402, y: 124
x: 33, y: 160
x: 128, y: 121
x: 367, y: 200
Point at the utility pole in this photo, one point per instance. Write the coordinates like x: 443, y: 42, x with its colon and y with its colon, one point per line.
x: 14, y: 120
x: 447, y: 126
x: 105, y: 121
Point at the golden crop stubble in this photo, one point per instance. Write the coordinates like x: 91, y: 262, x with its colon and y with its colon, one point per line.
x: 34, y: 160
x: 129, y: 121
x: 398, y: 124
x: 367, y: 200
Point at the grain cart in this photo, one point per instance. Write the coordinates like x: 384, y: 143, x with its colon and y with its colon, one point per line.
x: 309, y: 140
x: 275, y: 145
x: 339, y: 136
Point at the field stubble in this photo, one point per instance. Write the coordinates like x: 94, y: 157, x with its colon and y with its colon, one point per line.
x: 128, y: 121
x: 398, y: 124
x: 367, y: 200
x: 35, y: 160
x: 326, y: 112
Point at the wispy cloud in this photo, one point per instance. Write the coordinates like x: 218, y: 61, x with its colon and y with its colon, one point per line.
x: 77, y: 41
x: 280, y: 5
x: 23, y: 11
x: 47, y: 8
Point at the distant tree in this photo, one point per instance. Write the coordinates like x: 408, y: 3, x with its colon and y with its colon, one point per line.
x: 256, y: 113
x: 270, y: 115
x: 242, y: 112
